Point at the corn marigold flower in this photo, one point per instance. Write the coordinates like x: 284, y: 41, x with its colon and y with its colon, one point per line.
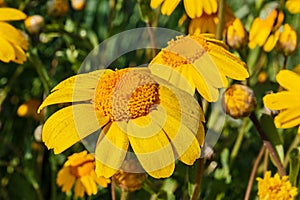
x: 130, y: 107
x: 288, y: 41
x: 236, y: 35
x: 287, y: 102
x: 79, y: 169
x: 293, y: 6
x: 34, y: 23
x: 238, y: 101
x: 194, y: 8
x: 270, y: 188
x: 207, y: 23
x: 204, y: 63
x: 12, y: 41
x: 265, y: 32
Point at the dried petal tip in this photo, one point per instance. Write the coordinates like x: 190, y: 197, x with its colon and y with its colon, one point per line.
x: 238, y: 101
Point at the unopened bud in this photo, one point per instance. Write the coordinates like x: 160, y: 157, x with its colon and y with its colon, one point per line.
x: 57, y: 8
x: 34, y: 24
x: 236, y: 35
x: 238, y: 101
x: 287, y: 42
x: 78, y: 4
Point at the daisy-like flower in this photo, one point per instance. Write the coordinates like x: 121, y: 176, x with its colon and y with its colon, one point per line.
x: 198, y: 62
x: 287, y: 101
x: 194, y: 8
x: 12, y: 41
x: 265, y: 32
x: 79, y: 169
x: 270, y: 188
x: 288, y: 40
x: 293, y: 6
x: 133, y: 110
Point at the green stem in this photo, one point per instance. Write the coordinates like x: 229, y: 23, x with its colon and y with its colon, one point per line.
x: 221, y: 19
x: 6, y: 89
x: 125, y: 195
x: 268, y: 144
x: 294, y: 144
x: 285, y: 62
x: 238, y: 142
x: 196, y: 192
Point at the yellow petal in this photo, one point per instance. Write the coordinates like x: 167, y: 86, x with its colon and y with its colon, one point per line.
x: 103, y: 182
x: 155, y: 3
x: 181, y: 137
x: 210, y: 6
x: 111, y: 149
x: 156, y: 148
x: 7, y: 52
x: 169, y: 6
x: 68, y: 125
x: 65, y: 179
x: 298, y: 131
x: 14, y: 36
x: 67, y: 95
x: 281, y: 100
x: 7, y: 14
x: 89, y: 184
x: 79, y: 189
x: 288, y: 118
x: 191, y: 7
x: 271, y: 41
x: 20, y: 56
x: 289, y: 80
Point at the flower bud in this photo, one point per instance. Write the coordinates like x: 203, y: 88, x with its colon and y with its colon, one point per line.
x: 236, y: 35
x: 78, y: 4
x: 34, y: 24
x: 57, y: 8
x: 238, y: 101
x: 287, y: 42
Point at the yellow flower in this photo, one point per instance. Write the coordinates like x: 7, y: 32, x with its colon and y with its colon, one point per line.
x: 287, y: 42
x: 236, y: 35
x: 265, y: 32
x: 270, y: 188
x: 286, y: 101
x: 238, y: 101
x: 203, y: 61
x: 293, y: 6
x: 194, y: 8
x: 131, y: 107
x: 79, y: 169
x: 207, y: 23
x: 12, y: 41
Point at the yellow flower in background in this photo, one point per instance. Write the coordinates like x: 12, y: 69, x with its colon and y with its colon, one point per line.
x: 193, y: 8
x: 293, y: 6
x: 288, y: 40
x: 79, y: 170
x: 29, y: 108
x: 130, y: 107
x: 207, y: 23
x: 236, y: 35
x: 271, y: 188
x: 287, y: 102
x: 198, y: 62
x: 12, y: 41
x: 265, y: 32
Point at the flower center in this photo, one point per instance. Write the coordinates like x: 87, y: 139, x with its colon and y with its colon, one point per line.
x: 126, y: 94
x: 83, y: 169
x: 184, y: 50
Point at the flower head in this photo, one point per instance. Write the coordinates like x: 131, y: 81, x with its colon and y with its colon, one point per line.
x: 265, y: 32
x: 132, y: 109
x: 293, y: 6
x: 194, y: 8
x: 275, y: 187
x: 202, y: 61
x: 236, y: 35
x: 12, y: 41
x: 34, y: 23
x: 287, y: 42
x: 79, y: 169
x: 238, y: 101
x: 287, y: 101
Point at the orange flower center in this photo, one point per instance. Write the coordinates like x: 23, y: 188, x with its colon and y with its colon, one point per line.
x: 126, y: 94
x: 82, y: 169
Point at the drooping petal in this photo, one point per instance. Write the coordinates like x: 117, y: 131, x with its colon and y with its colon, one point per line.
x: 65, y: 179
x: 20, y: 56
x: 193, y: 8
x: 152, y: 147
x: 12, y: 35
x: 155, y: 3
x: 103, y: 182
x: 10, y: 14
x: 69, y: 125
x: 79, y: 189
x: 289, y: 80
x: 8, y: 53
x: 288, y: 118
x: 89, y: 184
x: 169, y: 6
x: 111, y: 149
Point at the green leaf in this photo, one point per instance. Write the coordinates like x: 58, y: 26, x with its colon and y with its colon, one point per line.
x: 272, y: 133
x: 294, y: 158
